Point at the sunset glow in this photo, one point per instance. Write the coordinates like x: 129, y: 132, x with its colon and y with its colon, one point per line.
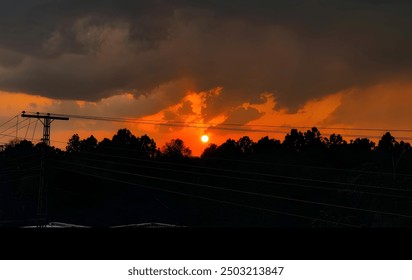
x: 177, y: 90
x: 205, y: 138
x: 185, y: 116
x: 206, y: 113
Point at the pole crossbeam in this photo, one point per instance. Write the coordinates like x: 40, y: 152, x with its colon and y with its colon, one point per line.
x: 46, y: 119
x: 42, y: 116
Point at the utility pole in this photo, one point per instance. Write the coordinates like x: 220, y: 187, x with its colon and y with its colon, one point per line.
x: 46, y: 120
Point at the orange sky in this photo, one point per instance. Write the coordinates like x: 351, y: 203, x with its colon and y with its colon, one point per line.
x: 343, y: 64
x: 380, y: 106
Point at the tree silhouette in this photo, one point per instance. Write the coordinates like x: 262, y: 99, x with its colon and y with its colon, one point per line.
x: 73, y: 146
x: 313, y: 139
x: 228, y: 149
x: 124, y: 138
x: 335, y: 169
x: 105, y: 144
x: 19, y: 147
x: 387, y: 144
x: 89, y: 144
x: 362, y: 144
x: 146, y: 146
x: 336, y: 142
x: 393, y: 151
x: 245, y: 145
x: 176, y: 149
x: 295, y: 141
x: 42, y: 147
x: 404, y: 147
x: 210, y: 151
x: 267, y: 146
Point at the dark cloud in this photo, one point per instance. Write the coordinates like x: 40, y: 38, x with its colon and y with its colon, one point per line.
x: 9, y: 58
x: 186, y: 108
x: 177, y: 117
x: 238, y: 116
x: 242, y: 115
x: 298, y: 50
x: 179, y: 114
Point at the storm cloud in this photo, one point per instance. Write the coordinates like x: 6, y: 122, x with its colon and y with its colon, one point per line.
x: 296, y: 50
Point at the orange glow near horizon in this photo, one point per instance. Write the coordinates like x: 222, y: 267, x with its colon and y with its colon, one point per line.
x: 378, y: 106
x: 204, y: 138
x: 18, y: 102
x: 190, y: 127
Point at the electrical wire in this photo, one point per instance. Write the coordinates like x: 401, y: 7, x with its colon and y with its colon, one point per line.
x: 18, y: 171
x: 9, y: 120
x: 19, y: 179
x: 220, y: 127
x: 247, y: 192
x: 25, y: 136
x: 12, y: 161
x: 273, y: 163
x: 259, y: 174
x: 125, y: 119
x: 252, y: 180
x: 308, y: 166
x: 11, y: 127
x: 20, y: 128
x: 17, y: 126
x: 208, y: 198
x: 34, y: 130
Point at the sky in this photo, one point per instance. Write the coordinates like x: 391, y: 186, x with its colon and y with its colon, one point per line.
x: 207, y: 64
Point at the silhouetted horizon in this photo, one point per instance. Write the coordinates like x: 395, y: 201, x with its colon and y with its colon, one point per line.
x: 307, y: 180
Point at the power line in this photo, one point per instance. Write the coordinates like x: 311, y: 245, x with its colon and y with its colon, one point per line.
x: 18, y: 171
x: 253, y: 180
x: 19, y: 128
x: 12, y: 161
x: 308, y: 166
x: 78, y: 194
x: 244, y: 127
x: 25, y: 136
x: 257, y: 173
x: 208, y: 198
x: 11, y: 127
x: 232, y: 177
x: 125, y: 119
x: 19, y: 179
x: 247, y: 192
x: 34, y: 130
x: 13, y: 136
x: 25, y: 156
x: 260, y: 162
x: 9, y: 120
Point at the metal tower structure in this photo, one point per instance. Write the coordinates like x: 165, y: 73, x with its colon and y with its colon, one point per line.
x: 46, y: 120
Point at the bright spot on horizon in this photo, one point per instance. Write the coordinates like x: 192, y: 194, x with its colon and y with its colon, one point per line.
x: 204, y: 138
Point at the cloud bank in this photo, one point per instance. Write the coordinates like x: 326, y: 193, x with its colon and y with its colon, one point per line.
x: 159, y: 50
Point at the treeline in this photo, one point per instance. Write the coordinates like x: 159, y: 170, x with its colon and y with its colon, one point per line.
x: 294, y: 142
x: 305, y: 180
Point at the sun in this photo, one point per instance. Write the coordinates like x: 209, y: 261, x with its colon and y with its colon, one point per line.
x: 204, y: 138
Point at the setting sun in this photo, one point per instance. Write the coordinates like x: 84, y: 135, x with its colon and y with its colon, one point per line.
x: 204, y: 138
